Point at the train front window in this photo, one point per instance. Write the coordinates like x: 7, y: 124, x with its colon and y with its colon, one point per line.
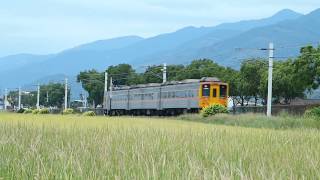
x: 206, y: 90
x: 223, y: 91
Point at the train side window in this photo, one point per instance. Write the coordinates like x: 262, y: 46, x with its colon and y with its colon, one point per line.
x: 206, y: 90
x: 223, y: 91
x: 214, y: 92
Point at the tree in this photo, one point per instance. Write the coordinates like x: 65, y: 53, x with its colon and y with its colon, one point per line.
x: 153, y: 74
x: 307, y: 67
x: 56, y: 95
x: 201, y: 68
x: 252, y: 72
x: 28, y: 99
x: 286, y: 84
x: 174, y: 71
x: 232, y: 77
x: 123, y: 74
x: 13, y: 97
x: 93, y: 82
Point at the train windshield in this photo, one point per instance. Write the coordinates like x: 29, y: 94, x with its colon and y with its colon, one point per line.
x: 206, y: 90
x: 223, y: 91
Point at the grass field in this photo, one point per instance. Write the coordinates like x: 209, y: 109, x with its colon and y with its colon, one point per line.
x: 283, y: 121
x: 74, y: 147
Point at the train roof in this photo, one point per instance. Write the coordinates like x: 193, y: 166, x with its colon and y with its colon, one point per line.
x: 186, y: 81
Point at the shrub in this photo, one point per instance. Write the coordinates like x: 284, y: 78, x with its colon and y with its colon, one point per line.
x: 21, y: 111
x: 89, y: 113
x: 314, y: 112
x: 67, y: 111
x: 27, y: 111
x: 35, y: 111
x: 213, y: 110
x: 44, y: 111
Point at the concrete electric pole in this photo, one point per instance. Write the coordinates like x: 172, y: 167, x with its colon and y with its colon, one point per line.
x: 270, y: 71
x: 110, y: 92
x: 38, y: 97
x: 19, y: 100
x: 105, y: 89
x: 164, y: 73
x: 66, y: 94
x: 5, y: 99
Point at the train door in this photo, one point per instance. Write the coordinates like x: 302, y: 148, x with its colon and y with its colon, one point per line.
x: 215, y: 91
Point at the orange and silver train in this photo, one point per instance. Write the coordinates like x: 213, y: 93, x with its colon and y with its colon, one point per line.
x: 171, y: 98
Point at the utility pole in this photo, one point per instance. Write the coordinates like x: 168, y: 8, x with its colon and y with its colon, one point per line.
x: 269, y: 101
x: 5, y: 99
x: 66, y: 94
x: 105, y: 89
x: 164, y: 73
x: 110, y: 92
x: 84, y: 100
x: 19, y: 101
x: 38, y: 97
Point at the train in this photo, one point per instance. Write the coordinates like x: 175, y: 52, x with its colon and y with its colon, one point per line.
x: 170, y: 98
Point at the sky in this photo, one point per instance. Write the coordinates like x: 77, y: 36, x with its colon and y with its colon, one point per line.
x: 50, y: 26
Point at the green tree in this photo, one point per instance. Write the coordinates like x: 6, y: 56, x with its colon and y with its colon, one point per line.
x: 153, y: 74
x: 236, y: 88
x: 28, y: 99
x: 13, y: 97
x: 202, y: 68
x: 123, y: 74
x: 252, y: 71
x: 286, y: 84
x: 53, y: 95
x: 307, y: 67
x: 93, y: 82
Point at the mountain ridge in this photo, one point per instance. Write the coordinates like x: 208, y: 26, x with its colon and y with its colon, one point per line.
x: 180, y: 46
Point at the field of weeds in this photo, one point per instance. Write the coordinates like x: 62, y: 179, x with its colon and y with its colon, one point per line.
x: 75, y: 147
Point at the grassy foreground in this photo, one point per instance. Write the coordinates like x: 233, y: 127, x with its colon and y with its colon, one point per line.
x: 73, y: 147
x: 283, y: 121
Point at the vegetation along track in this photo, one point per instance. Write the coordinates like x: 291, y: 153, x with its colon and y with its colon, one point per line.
x: 75, y: 147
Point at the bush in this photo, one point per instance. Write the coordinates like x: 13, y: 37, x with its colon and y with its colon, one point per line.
x: 35, y: 111
x: 314, y: 112
x: 21, y: 111
x: 89, y: 113
x: 213, y: 110
x: 27, y: 111
x: 67, y: 111
x: 44, y: 111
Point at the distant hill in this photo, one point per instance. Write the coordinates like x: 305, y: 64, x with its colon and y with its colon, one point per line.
x: 108, y: 45
x: 288, y: 35
x: 282, y: 15
x: 20, y: 60
x: 182, y: 46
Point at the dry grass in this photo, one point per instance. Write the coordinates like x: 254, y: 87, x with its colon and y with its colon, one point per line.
x: 284, y: 121
x: 74, y: 147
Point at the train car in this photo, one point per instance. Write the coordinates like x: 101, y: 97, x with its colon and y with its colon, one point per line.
x: 171, y: 98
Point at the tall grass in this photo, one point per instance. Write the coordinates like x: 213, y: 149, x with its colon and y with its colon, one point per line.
x: 74, y: 147
x: 284, y: 121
